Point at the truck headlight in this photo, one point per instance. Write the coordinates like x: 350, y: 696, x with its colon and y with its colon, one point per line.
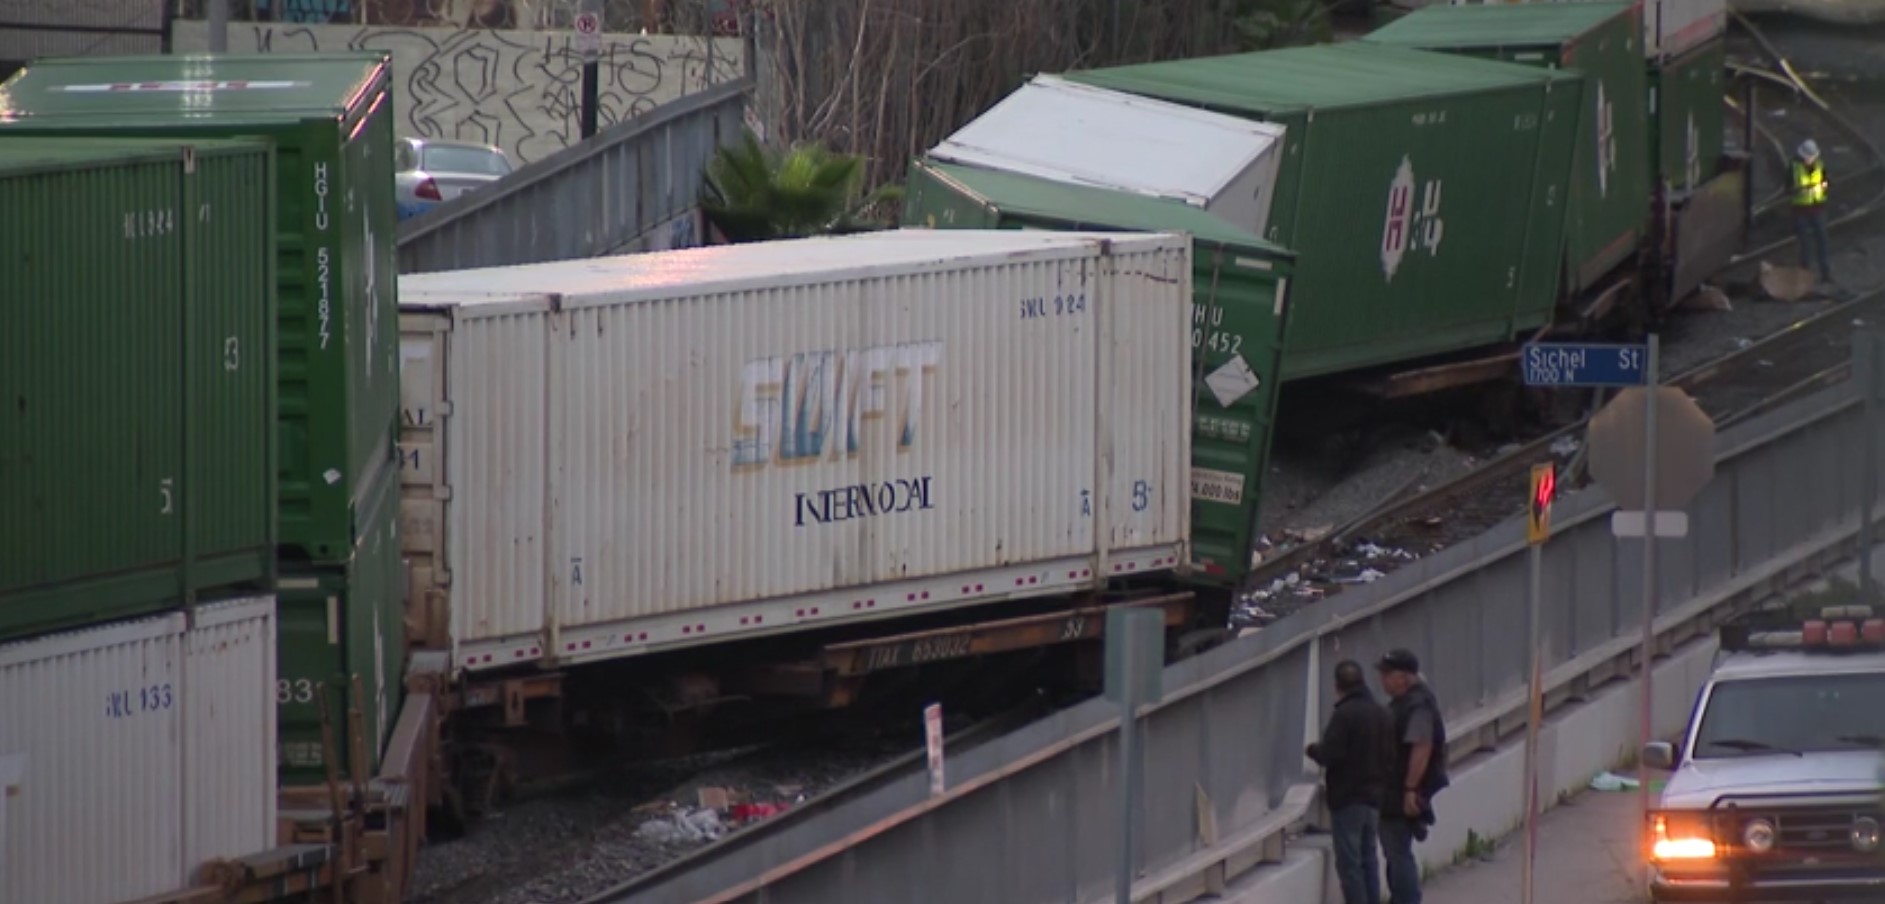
x: 1865, y: 834
x: 1758, y: 835
x: 1675, y: 838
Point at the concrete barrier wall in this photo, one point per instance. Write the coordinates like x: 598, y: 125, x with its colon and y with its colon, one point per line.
x: 519, y: 90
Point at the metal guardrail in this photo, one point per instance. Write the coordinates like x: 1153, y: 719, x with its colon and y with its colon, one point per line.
x: 1031, y: 817
x: 632, y: 187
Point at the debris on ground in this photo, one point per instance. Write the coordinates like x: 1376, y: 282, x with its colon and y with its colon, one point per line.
x: 1610, y: 781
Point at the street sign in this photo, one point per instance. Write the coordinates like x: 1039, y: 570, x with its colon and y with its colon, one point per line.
x: 1669, y: 525
x: 588, y: 33
x: 1583, y: 364
x: 1685, y: 448
x: 1538, y: 513
x: 933, y: 738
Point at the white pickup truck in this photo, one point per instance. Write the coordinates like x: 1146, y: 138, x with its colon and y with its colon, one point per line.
x: 1776, y: 791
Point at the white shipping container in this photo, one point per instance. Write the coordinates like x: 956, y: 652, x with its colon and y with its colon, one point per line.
x: 134, y: 752
x: 1067, y: 132
x: 612, y: 456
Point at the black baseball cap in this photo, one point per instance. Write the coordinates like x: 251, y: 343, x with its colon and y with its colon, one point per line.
x: 1399, y: 660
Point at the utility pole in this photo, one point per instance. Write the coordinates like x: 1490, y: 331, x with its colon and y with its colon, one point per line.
x: 219, y: 26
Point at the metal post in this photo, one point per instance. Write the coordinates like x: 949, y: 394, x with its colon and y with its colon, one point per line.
x: 591, y: 55
x: 1129, y: 787
x: 1865, y: 366
x: 1536, y: 715
x: 219, y: 26
x: 1652, y: 381
x: 589, y: 97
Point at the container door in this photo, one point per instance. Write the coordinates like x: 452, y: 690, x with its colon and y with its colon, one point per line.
x: 1238, y: 324
x: 422, y: 477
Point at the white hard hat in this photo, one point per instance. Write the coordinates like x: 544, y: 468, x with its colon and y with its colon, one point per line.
x: 1809, y: 150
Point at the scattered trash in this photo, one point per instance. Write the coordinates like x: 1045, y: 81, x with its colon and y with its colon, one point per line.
x: 682, y: 826
x: 745, y: 813
x: 1763, y: 362
x: 1742, y: 342
x: 1610, y: 781
x: 714, y: 798
x: 1565, y: 446
x: 1708, y: 298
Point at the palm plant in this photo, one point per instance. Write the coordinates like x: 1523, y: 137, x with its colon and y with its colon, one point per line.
x: 754, y: 193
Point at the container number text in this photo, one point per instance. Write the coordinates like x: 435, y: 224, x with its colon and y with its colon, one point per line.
x: 1141, y: 498
x: 294, y: 690
x: 1033, y: 308
x: 323, y: 259
x: 125, y: 704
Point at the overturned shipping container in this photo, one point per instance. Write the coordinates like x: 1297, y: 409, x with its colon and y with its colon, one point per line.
x: 133, y: 753
x: 1424, y: 191
x: 1059, y: 130
x: 614, y: 456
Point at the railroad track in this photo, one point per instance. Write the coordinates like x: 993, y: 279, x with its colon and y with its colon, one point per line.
x: 1809, y: 354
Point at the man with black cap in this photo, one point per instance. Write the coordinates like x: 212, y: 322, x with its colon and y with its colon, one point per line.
x: 1419, y: 771
x: 1357, y: 748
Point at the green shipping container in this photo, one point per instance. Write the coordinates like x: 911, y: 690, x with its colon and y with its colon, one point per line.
x: 1685, y: 101
x: 137, y: 422
x: 330, y: 117
x: 1240, y: 285
x: 1610, y: 174
x: 334, y: 623
x: 1423, y: 192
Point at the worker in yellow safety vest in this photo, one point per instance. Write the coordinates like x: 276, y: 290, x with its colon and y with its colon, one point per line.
x: 1809, y: 208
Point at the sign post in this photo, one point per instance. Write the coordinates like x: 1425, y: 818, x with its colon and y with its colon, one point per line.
x: 589, y: 44
x: 1588, y: 366
x: 933, y: 740
x: 1537, y: 531
x: 1653, y: 449
x: 1135, y: 664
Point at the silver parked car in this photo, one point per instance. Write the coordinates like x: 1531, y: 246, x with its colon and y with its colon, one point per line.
x: 431, y: 171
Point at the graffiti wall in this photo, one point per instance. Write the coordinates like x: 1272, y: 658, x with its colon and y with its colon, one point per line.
x: 519, y: 90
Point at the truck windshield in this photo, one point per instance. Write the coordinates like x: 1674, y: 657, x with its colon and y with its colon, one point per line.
x: 1792, y: 715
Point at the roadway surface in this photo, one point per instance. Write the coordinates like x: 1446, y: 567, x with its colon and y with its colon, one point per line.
x: 1586, y: 855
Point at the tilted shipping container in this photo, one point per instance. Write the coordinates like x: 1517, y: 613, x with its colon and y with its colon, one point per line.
x: 1067, y: 132
x: 131, y: 754
x: 1239, y: 288
x: 1688, y: 123
x: 136, y: 463
x: 338, y: 622
x: 1422, y: 191
x: 1674, y: 27
x: 330, y: 118
x: 637, y: 453
x: 1610, y: 168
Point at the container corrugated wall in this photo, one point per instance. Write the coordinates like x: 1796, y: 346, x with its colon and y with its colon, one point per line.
x: 338, y: 622
x: 1685, y: 102
x: 668, y: 477
x: 139, y: 383
x: 329, y: 116
x: 110, y: 794
x: 229, y: 732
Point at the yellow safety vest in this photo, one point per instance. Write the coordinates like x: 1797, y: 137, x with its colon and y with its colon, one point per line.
x: 1809, y: 184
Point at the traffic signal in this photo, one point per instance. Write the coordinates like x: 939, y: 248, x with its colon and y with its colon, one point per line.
x: 1538, y: 512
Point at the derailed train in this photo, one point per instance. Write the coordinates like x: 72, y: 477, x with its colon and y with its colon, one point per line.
x: 594, y: 462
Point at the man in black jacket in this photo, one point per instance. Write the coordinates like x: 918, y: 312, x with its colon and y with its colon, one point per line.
x: 1418, y: 772
x: 1357, y: 750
